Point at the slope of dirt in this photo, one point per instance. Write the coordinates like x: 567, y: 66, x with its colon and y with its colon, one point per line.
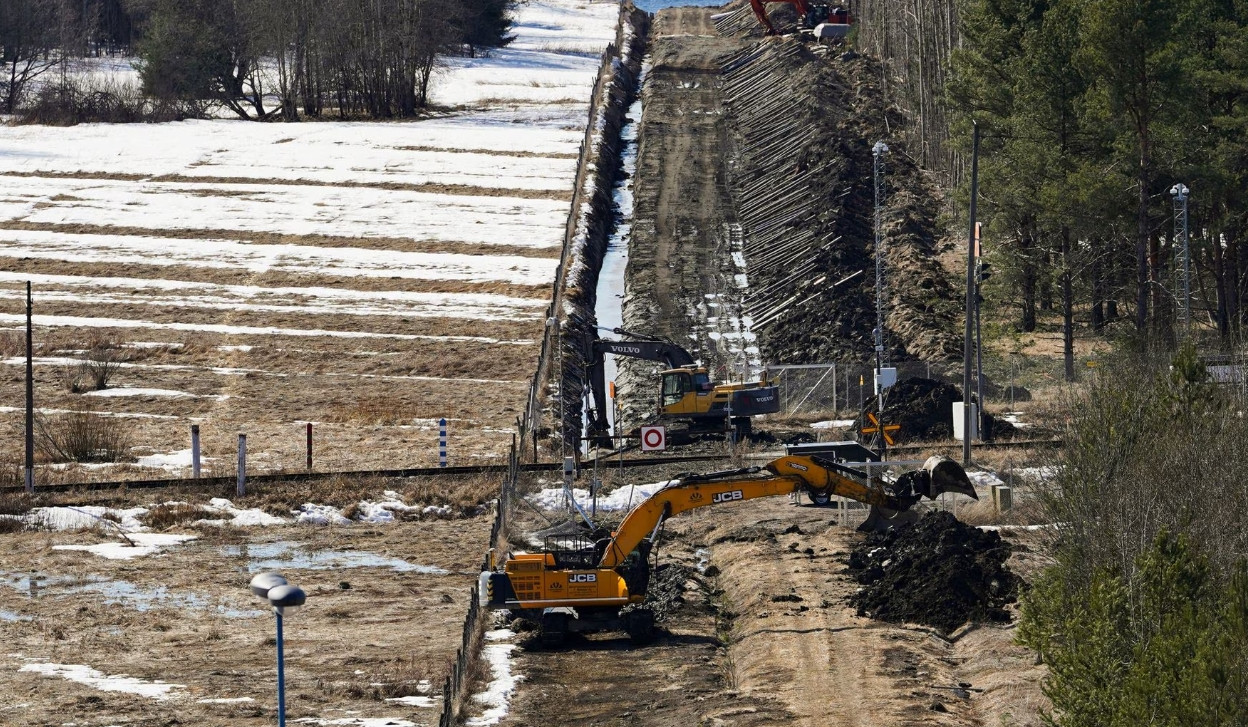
x: 806, y: 119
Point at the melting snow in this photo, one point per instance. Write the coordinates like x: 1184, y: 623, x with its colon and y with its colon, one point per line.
x: 83, y: 674
x: 497, y: 695
x: 622, y: 498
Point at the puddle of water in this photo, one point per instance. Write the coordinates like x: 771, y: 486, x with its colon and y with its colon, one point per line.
x: 118, y: 592
x: 291, y: 556
x: 13, y: 617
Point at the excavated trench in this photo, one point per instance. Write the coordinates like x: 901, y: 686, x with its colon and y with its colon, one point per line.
x: 753, y: 232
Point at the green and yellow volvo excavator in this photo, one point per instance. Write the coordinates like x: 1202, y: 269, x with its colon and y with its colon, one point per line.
x: 686, y: 392
x: 578, y: 584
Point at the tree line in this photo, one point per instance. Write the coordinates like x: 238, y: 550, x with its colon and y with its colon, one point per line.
x: 1143, y: 618
x: 1091, y: 111
x: 259, y: 58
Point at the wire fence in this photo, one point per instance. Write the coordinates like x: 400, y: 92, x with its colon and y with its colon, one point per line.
x: 459, y: 680
x: 829, y: 389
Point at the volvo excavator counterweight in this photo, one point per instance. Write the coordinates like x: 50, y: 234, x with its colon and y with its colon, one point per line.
x: 579, y: 584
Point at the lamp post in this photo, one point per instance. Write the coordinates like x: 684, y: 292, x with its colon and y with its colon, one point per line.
x: 283, y: 597
x: 1180, y: 192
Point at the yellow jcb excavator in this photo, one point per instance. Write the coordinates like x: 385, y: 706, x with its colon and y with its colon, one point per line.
x: 578, y: 584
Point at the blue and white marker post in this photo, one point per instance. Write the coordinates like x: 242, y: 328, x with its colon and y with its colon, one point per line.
x: 442, y: 442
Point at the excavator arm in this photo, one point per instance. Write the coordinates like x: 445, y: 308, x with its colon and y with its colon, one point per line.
x: 643, y: 347
x: 787, y: 475
x: 563, y: 587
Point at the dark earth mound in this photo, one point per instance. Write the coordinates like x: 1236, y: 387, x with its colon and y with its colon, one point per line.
x: 924, y: 409
x: 938, y: 572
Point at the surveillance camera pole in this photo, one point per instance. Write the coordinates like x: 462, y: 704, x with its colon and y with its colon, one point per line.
x: 877, y: 152
x: 281, y: 596
x: 1180, y: 192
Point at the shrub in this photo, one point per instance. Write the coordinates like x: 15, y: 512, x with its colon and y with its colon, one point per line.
x: 1166, y: 645
x: 82, y: 436
x: 82, y: 100
x: 1144, y: 617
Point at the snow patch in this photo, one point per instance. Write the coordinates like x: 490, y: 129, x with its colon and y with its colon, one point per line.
x: 96, y: 679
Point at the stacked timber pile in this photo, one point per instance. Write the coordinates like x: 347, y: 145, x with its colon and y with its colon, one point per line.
x: 805, y: 121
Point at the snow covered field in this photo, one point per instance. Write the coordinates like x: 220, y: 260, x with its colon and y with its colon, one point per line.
x: 368, y: 277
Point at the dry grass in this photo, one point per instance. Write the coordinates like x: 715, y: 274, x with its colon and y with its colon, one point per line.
x: 428, y: 187
x: 277, y: 278
x: 170, y: 515
x: 492, y: 152
x: 12, y: 343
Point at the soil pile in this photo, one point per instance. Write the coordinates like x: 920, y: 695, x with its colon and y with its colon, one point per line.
x: 666, y: 593
x: 924, y: 409
x: 938, y: 572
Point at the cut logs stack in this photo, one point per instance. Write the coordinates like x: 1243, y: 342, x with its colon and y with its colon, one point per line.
x: 805, y: 120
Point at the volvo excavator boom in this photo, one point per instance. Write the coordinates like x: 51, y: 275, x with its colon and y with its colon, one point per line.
x: 596, y: 579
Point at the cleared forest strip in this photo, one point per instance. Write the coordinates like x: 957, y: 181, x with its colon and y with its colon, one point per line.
x: 466, y: 190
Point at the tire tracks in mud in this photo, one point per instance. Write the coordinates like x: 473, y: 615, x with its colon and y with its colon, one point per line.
x: 680, y: 280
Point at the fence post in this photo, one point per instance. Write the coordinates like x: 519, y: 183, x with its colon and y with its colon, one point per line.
x: 242, y: 465
x: 195, y: 451
x: 309, y: 446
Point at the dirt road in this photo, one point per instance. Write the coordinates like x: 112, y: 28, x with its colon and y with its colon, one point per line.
x: 681, y: 274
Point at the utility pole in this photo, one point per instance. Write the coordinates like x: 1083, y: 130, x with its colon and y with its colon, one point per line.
x: 30, y: 393
x: 979, y: 336
x: 1180, y: 192
x: 970, y: 302
x: 877, y: 152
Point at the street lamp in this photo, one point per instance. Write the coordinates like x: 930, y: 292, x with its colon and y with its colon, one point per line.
x: 1180, y: 192
x: 283, y: 597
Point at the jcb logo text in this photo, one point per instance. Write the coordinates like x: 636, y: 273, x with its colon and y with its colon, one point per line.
x: 583, y: 578
x: 727, y: 496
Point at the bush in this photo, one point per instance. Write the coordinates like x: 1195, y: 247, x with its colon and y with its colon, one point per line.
x: 1166, y: 645
x: 90, y: 100
x: 1144, y: 617
x: 81, y: 436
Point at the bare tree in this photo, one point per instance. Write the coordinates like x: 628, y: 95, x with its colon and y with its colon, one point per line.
x: 29, y: 37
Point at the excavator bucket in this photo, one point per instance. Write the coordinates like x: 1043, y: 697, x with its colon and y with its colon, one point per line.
x: 945, y: 475
x: 937, y: 476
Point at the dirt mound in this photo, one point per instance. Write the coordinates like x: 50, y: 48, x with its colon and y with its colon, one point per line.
x: 666, y: 593
x: 938, y: 572
x: 924, y: 409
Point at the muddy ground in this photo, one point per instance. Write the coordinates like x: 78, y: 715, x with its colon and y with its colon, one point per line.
x: 374, y: 628
x: 767, y: 636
